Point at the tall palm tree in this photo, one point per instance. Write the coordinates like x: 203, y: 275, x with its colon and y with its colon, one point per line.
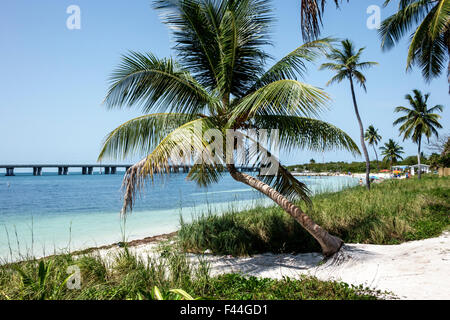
x: 346, y: 64
x: 418, y: 120
x: 372, y: 137
x: 392, y: 152
x: 311, y: 17
x: 430, y: 42
x: 219, y: 82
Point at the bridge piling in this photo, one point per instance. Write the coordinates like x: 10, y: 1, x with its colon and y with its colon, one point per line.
x: 37, y: 171
x: 10, y: 172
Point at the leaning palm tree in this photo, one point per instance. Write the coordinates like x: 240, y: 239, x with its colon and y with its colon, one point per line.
x: 346, y: 64
x: 219, y: 84
x: 430, y: 42
x: 392, y: 152
x: 372, y: 137
x: 418, y: 120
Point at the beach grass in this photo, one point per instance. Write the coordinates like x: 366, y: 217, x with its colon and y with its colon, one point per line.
x: 393, y: 212
x: 127, y: 276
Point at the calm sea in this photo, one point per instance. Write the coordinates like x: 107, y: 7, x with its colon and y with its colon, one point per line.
x: 46, y: 214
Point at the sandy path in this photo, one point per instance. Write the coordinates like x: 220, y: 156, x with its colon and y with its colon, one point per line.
x: 412, y: 270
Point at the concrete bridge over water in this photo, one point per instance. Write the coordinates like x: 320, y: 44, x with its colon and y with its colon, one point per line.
x: 88, y: 169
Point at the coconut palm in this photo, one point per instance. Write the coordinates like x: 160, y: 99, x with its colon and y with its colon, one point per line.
x: 311, y: 17
x: 219, y: 84
x: 372, y: 137
x: 347, y: 66
x: 392, y: 152
x: 419, y: 120
x: 430, y: 42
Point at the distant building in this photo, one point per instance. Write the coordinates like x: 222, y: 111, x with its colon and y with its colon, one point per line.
x: 423, y: 168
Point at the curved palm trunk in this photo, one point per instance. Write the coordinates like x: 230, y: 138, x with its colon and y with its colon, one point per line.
x: 376, y: 156
x: 361, y: 128
x: 330, y: 244
x: 418, y: 157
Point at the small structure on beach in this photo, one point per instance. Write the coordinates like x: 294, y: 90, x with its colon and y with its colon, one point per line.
x: 413, y: 169
x: 424, y: 168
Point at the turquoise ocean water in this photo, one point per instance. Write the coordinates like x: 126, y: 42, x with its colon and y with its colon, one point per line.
x: 46, y: 214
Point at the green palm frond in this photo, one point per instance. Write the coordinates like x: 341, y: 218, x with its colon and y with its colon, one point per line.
x: 243, y: 33
x: 338, y: 78
x: 440, y: 20
x: 430, y: 56
x: 156, y: 84
x: 289, y: 97
x: 294, y: 64
x: 195, y: 37
x: 306, y: 133
x: 220, y: 43
x: 396, y: 26
x: 429, y: 46
x: 184, y: 144
x: 360, y: 79
x: 139, y: 136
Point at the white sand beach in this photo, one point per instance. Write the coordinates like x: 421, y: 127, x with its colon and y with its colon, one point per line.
x: 412, y: 270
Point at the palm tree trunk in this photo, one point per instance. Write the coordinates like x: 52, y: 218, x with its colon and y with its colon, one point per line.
x: 376, y: 156
x: 418, y: 156
x: 361, y: 128
x: 330, y: 244
x: 447, y: 39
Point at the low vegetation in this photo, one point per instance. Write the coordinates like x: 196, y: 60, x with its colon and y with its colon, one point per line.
x: 355, y: 166
x: 393, y: 212
x: 126, y: 276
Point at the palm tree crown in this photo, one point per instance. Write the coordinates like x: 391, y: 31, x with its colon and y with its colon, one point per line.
x: 219, y: 80
x: 419, y: 120
x: 372, y: 136
x: 391, y: 151
x: 346, y: 64
x: 430, y: 42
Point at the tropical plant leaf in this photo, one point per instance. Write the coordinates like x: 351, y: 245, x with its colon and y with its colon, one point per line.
x: 156, y: 84
x: 139, y: 136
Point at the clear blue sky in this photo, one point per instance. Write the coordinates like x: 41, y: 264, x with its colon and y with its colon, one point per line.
x: 53, y: 79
